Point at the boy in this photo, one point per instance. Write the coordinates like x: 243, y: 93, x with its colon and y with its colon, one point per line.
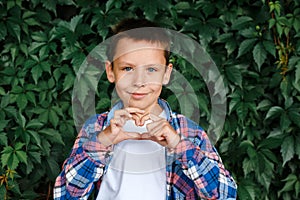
x: 140, y: 149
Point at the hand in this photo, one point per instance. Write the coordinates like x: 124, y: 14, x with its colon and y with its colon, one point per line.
x: 113, y: 134
x: 161, y: 132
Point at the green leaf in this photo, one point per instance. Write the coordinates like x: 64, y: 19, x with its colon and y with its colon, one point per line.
x: 287, y: 149
x: 32, y: 22
x: 246, y: 46
x: 45, y: 66
x: 34, y: 124
x: 234, y: 75
x: 19, y: 145
x: 186, y: 105
x: 269, y: 47
x: 247, y: 190
x: 9, y: 156
x: 3, y: 31
x: 290, y: 181
x: 68, y: 82
x: 297, y: 146
x: 3, y: 139
x: 285, y: 122
x: 22, y: 156
x: 53, y: 118
x: 297, y: 188
x: 3, y: 124
x: 151, y: 9
x: 21, y: 119
x: 74, y: 22
x: 2, y: 191
x: 13, y: 161
x: 203, y: 104
x: 39, y: 37
x: 241, y: 22
x: 264, y: 105
x: 31, y: 97
x: 103, y: 103
x: 242, y: 110
x: 14, y: 29
x: 6, y: 153
x: 248, y: 166
x: 297, y: 77
x: 46, y: 148
x: 35, y: 156
x: 52, y: 135
x: 36, y: 137
x: 248, y: 32
x: 52, y: 167
x: 50, y: 5
x: 273, y: 112
x: 270, y: 143
x: 22, y: 101
x: 182, y: 6
x: 259, y: 55
x: 5, y: 101
x: 36, y: 73
x: 285, y: 88
x: 2, y: 91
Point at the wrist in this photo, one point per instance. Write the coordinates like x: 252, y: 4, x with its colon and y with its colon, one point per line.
x: 174, y: 142
x: 104, y: 139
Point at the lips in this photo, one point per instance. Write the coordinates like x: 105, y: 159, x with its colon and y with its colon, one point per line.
x: 138, y: 95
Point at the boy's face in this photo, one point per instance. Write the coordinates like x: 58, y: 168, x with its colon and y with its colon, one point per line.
x: 139, y: 71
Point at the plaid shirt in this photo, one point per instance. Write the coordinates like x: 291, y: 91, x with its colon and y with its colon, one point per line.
x: 194, y: 169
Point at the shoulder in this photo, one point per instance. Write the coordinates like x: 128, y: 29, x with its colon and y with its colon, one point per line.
x: 192, y: 131
x: 185, y: 122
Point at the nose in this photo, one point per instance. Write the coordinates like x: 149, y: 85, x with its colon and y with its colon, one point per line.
x: 140, y: 77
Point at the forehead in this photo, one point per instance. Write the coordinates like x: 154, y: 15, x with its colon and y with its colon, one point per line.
x: 126, y: 46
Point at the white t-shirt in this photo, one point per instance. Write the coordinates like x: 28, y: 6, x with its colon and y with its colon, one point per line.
x: 137, y: 170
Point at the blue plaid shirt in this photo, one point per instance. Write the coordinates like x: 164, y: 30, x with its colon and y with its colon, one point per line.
x: 194, y: 169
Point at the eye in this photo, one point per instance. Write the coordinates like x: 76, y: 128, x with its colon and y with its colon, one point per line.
x: 151, y: 69
x: 127, y: 69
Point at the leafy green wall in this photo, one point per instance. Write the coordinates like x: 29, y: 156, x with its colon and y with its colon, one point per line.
x: 255, y: 44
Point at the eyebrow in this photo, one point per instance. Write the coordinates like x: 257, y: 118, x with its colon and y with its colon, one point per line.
x: 147, y: 65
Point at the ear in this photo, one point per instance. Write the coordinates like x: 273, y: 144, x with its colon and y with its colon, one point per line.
x: 109, y: 72
x: 167, y: 74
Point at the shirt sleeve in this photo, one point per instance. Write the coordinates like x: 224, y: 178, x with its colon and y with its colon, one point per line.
x: 86, y: 163
x: 201, y: 163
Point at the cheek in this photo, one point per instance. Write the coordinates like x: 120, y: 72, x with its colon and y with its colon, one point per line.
x: 154, y: 79
x: 156, y: 88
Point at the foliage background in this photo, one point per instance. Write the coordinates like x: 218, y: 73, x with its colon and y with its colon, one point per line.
x: 255, y: 44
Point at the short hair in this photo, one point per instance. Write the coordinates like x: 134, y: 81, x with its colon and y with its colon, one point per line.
x: 134, y: 29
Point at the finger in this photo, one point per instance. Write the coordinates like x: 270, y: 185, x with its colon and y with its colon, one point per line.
x: 155, y: 117
x: 155, y: 125
x: 118, y: 122
x: 147, y: 136
x: 131, y: 135
x: 122, y: 113
x: 134, y: 110
x: 136, y: 119
x: 158, y: 132
x: 114, y: 123
x: 143, y: 119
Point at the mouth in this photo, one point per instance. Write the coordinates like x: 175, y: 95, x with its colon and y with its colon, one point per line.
x: 138, y: 95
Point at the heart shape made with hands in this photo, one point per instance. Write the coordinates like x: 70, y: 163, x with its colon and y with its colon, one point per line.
x: 158, y: 129
x: 155, y: 128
